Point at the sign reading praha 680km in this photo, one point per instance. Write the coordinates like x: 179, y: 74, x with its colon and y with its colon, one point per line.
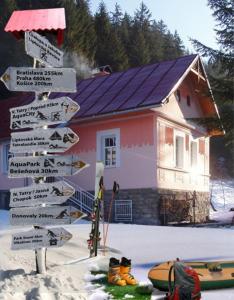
x: 40, y: 48
x: 50, y: 140
x: 36, y: 194
x: 40, y: 79
x: 43, y: 113
x: 45, y: 166
x: 50, y: 215
x: 36, y: 239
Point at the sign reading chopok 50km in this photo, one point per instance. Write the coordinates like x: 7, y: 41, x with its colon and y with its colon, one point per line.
x: 50, y: 140
x: 36, y: 239
x: 40, y: 79
x: 45, y: 166
x: 50, y: 215
x: 40, y: 48
x: 43, y: 113
x: 36, y: 194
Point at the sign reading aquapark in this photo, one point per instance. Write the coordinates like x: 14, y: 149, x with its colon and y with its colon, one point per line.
x: 50, y: 215
x: 40, y: 48
x: 44, y: 237
x: 36, y: 194
x: 40, y: 79
x: 50, y: 140
x: 20, y: 167
x: 43, y: 113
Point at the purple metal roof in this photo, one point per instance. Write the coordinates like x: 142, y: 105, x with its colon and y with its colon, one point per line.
x: 135, y: 88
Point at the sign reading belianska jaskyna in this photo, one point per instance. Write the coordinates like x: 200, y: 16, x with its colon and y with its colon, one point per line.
x: 37, y: 166
x: 50, y: 140
x: 40, y: 48
x: 43, y: 113
x: 36, y: 239
x: 36, y: 194
x: 40, y: 79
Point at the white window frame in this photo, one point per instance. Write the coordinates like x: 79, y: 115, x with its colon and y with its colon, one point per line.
x: 192, y: 165
x: 181, y: 135
x: 5, y: 157
x: 100, y: 136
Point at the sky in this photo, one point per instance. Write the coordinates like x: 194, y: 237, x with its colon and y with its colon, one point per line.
x: 191, y: 18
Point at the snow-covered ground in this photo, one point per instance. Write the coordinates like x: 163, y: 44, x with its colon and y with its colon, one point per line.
x: 68, y: 276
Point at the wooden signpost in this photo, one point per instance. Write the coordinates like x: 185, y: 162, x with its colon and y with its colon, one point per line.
x: 50, y: 140
x: 32, y: 205
x: 39, y: 238
x: 24, y: 79
x: 50, y: 193
x: 43, y: 113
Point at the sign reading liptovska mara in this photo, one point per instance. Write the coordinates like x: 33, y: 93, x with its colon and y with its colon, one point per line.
x: 45, y: 166
x: 40, y: 48
x: 50, y: 215
x: 40, y: 79
x: 36, y: 194
x: 43, y: 113
x: 36, y: 239
x: 50, y: 140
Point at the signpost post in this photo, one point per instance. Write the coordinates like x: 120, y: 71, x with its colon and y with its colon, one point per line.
x: 32, y: 205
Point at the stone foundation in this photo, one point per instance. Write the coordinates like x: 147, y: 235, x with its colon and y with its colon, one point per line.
x: 4, y: 199
x: 162, y: 207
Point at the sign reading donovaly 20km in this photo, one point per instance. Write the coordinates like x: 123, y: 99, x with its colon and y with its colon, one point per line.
x: 32, y: 204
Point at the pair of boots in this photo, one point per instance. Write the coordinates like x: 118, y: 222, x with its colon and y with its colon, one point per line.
x: 119, y: 272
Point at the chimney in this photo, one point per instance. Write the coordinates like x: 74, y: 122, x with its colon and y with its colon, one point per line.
x: 102, y: 71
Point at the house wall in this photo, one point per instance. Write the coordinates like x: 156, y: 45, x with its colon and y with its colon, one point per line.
x: 137, y: 168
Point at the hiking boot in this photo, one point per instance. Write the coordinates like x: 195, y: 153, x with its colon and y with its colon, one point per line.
x: 113, y: 274
x: 125, y: 271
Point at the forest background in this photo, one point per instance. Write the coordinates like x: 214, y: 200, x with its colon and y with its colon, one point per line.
x: 123, y: 41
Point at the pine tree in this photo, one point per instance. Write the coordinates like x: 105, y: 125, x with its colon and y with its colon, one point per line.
x: 221, y: 71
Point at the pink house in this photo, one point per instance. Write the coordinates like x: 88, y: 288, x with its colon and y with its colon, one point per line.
x: 142, y: 124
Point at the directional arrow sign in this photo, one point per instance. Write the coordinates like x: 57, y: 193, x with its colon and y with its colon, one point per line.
x: 40, y: 79
x: 45, y: 166
x: 41, y: 113
x: 50, y: 140
x: 36, y: 194
x: 36, y: 239
x: 40, y: 48
x: 49, y: 215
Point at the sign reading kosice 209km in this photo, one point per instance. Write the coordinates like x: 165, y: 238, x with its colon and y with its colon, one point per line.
x: 45, y: 166
x: 43, y: 113
x: 40, y: 48
x: 36, y: 239
x: 40, y: 79
x: 49, y: 193
x: 50, y: 140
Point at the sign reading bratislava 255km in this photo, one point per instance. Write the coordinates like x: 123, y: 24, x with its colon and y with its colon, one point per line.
x: 40, y: 79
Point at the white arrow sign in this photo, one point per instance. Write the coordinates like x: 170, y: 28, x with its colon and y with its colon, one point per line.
x: 40, y: 79
x: 49, y: 215
x: 36, y: 194
x: 36, y: 239
x: 45, y: 166
x: 42, y: 113
x: 50, y: 140
x: 40, y: 48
